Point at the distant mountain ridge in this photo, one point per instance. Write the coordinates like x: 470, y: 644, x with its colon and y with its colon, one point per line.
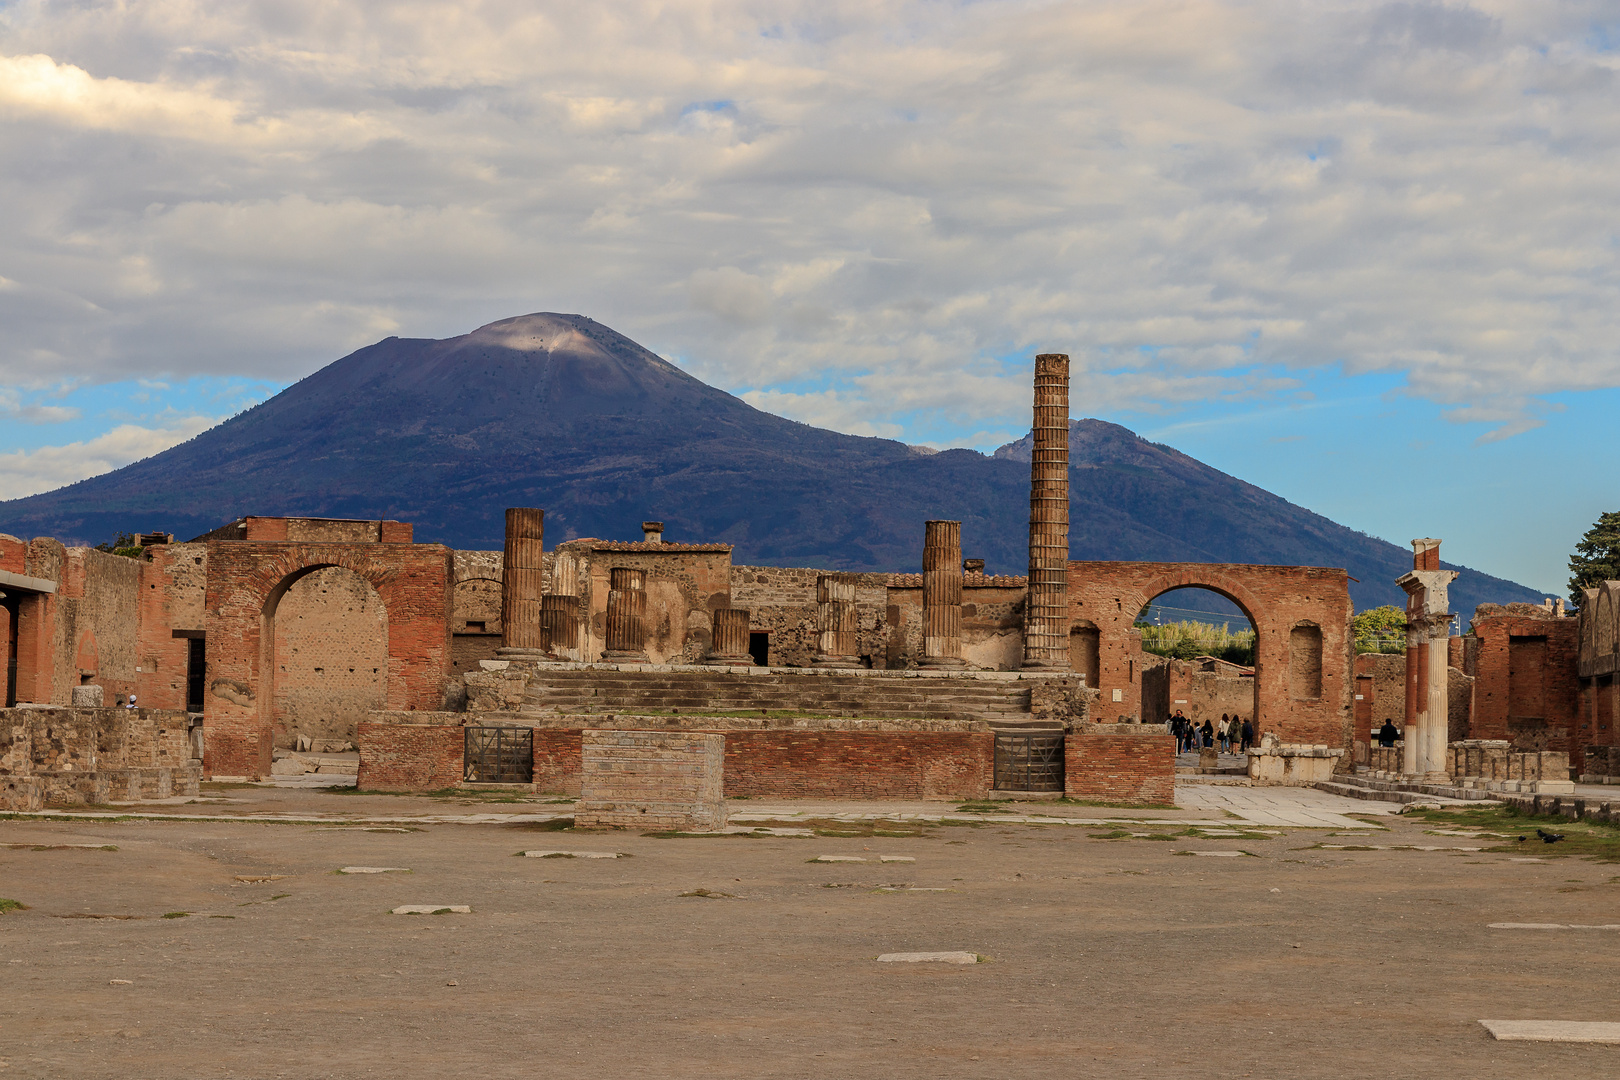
x: 561, y: 412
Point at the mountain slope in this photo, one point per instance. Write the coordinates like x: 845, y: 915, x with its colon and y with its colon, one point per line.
x: 561, y: 412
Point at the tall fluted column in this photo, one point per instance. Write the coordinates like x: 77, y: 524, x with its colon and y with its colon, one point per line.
x: 729, y: 641
x: 838, y: 639
x: 1428, y: 624
x: 626, y: 616
x: 1046, y: 613
x: 521, y: 579
x: 942, y: 594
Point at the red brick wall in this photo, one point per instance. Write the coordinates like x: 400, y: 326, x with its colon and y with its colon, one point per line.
x: 815, y: 764
x: 246, y: 578
x: 410, y: 757
x: 1120, y: 763
x: 1277, y: 599
x: 1526, y: 685
x: 331, y: 657
x: 173, y: 588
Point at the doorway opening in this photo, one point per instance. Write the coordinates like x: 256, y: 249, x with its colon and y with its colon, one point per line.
x: 1199, y: 675
x: 759, y: 647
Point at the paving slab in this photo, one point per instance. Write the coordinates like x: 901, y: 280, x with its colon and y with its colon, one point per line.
x: 433, y: 909
x: 573, y: 854
x: 374, y: 870
x: 1560, y: 1031
x: 928, y: 958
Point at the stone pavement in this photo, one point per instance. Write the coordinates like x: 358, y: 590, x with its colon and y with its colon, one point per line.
x: 1304, y: 808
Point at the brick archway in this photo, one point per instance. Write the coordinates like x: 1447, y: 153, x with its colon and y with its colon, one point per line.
x: 1276, y: 599
x: 246, y: 583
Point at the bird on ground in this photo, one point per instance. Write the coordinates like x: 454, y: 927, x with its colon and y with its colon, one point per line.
x: 1549, y: 837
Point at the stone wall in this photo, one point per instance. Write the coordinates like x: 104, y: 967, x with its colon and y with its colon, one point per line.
x: 1122, y: 763
x: 685, y: 584
x: 1200, y: 695
x: 781, y: 602
x: 55, y: 756
x: 1380, y: 692
x: 992, y: 622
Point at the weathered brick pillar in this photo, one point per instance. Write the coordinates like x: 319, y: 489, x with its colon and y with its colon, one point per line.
x: 942, y: 594
x: 1428, y: 626
x: 626, y: 616
x: 559, y: 626
x: 521, y: 579
x: 1046, y: 612
x: 838, y: 640
x: 729, y: 641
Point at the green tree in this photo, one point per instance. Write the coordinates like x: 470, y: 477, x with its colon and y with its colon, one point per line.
x: 1380, y: 630
x: 1597, y: 556
x: 124, y: 544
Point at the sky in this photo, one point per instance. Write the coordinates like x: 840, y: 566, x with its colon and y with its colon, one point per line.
x: 1363, y: 255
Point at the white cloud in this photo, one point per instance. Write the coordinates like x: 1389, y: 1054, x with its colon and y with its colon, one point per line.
x: 881, y: 195
x: 28, y: 472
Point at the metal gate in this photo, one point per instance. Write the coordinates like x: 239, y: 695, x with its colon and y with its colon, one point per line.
x: 1029, y: 761
x: 498, y: 755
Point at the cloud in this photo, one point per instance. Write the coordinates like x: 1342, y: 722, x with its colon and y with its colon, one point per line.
x: 12, y: 406
x: 1192, y: 197
x: 48, y: 467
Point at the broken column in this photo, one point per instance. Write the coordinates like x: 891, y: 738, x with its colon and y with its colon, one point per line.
x: 521, y: 574
x: 729, y: 640
x: 942, y: 594
x: 1046, y: 612
x: 559, y: 610
x: 837, y: 641
x: 626, y: 616
x: 1428, y: 625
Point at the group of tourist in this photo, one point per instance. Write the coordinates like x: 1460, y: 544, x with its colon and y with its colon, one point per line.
x: 1189, y: 736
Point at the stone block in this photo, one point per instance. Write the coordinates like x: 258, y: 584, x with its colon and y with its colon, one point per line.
x: 651, y: 779
x: 88, y: 697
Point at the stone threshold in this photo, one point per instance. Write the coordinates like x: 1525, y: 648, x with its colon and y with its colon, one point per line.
x: 810, y: 672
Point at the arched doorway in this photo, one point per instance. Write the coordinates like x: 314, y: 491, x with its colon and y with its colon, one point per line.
x: 326, y: 629
x: 1199, y: 650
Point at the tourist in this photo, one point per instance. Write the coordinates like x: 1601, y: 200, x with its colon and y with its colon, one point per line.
x: 1208, y: 732
x: 1183, y: 737
x: 131, y: 704
x: 1224, y: 734
x: 1387, y: 734
x: 1248, y: 736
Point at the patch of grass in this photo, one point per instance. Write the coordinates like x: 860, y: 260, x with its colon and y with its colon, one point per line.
x: 1066, y: 801
x: 676, y: 834
x: 11, y: 905
x: 984, y: 806
x: 709, y: 894
x: 476, y: 794
x: 1117, y: 834
x: 962, y: 824
x: 281, y: 896
x: 222, y: 916
x: 1593, y: 841
x: 176, y: 915
x: 225, y: 785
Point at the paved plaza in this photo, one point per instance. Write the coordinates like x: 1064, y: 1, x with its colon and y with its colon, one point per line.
x: 1264, y: 932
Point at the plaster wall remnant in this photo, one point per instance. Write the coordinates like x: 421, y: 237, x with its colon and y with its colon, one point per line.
x: 522, y: 579
x: 1428, y: 627
x: 626, y: 616
x: 559, y: 626
x: 837, y: 622
x: 730, y: 637
x: 1046, y: 626
x: 942, y: 594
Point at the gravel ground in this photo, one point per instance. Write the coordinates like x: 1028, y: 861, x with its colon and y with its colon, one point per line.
x: 1104, y: 953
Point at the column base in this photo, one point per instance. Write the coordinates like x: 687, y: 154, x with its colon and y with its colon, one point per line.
x: 719, y: 660
x: 512, y: 652
x: 948, y: 663
x: 625, y: 658
x: 844, y: 662
x: 1043, y: 665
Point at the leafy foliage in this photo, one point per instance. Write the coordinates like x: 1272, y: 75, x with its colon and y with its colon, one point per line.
x: 124, y: 544
x: 1186, y: 640
x: 1597, y: 556
x: 1380, y: 630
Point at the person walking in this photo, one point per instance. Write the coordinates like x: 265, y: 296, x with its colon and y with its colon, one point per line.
x: 1223, y: 732
x: 1387, y: 734
x: 1248, y: 736
x: 1208, y: 732
x: 1182, y: 726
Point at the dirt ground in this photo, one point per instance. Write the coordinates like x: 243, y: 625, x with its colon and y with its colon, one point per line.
x: 224, y: 949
